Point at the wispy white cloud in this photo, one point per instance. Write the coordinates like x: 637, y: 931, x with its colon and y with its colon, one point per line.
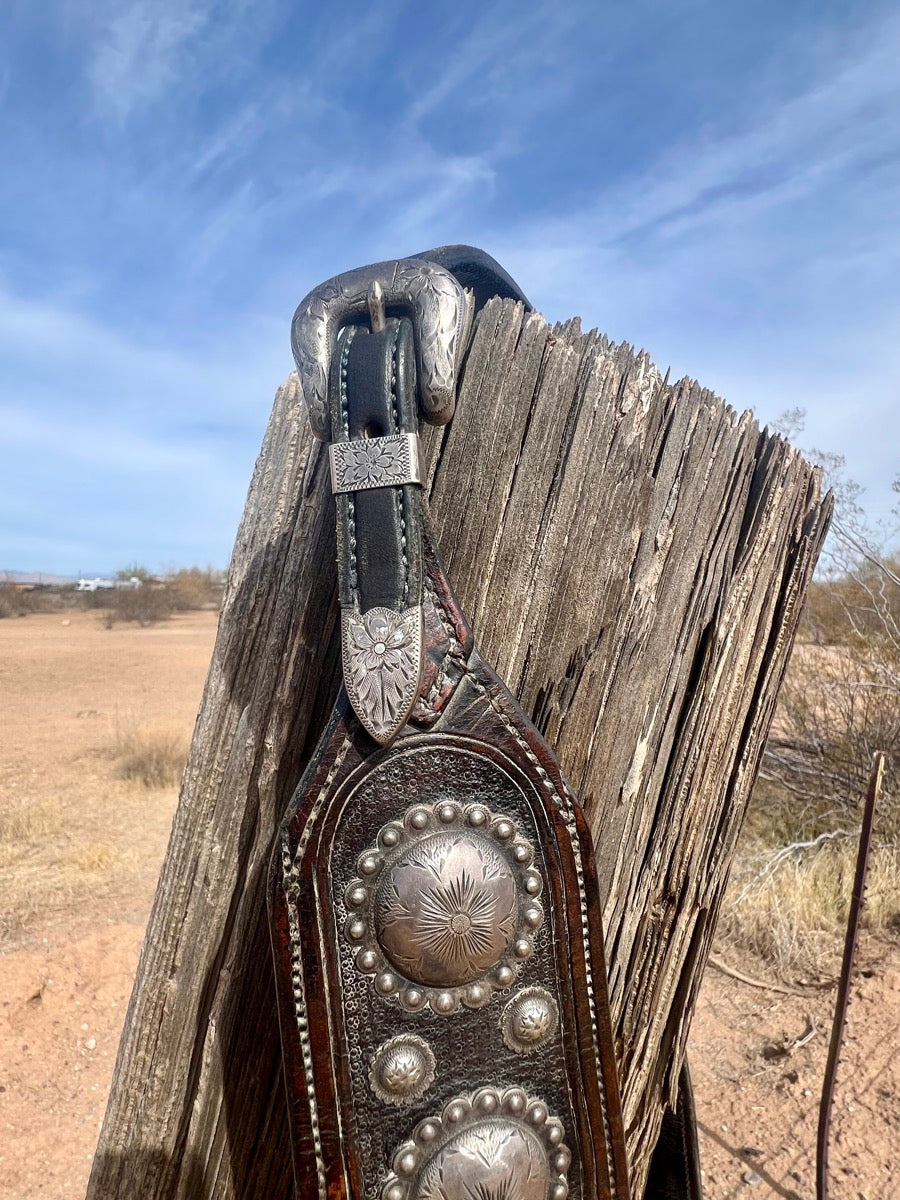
x: 140, y: 50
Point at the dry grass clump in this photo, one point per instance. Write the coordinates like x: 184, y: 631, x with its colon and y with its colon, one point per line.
x: 153, y: 755
x: 840, y: 703
x: 95, y: 859
x: 790, y: 906
x: 24, y: 829
x: 21, y: 825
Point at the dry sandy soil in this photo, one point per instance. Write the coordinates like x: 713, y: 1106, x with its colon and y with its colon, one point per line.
x: 79, y: 852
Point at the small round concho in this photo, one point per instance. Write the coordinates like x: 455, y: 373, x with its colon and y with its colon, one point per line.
x: 495, y: 1142
x: 529, y: 1020
x: 444, y: 908
x: 402, y: 1069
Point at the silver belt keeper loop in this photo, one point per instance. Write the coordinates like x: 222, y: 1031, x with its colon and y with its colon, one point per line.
x: 375, y: 462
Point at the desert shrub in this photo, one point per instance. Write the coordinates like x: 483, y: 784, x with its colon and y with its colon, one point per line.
x: 16, y: 601
x: 194, y: 588
x: 840, y: 703
x: 143, y: 605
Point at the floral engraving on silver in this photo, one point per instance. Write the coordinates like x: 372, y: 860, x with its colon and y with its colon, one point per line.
x: 444, y: 908
x: 375, y: 463
x: 496, y: 1144
x: 382, y: 653
x: 446, y: 911
x: 529, y: 1019
x: 402, y: 1069
x: 442, y: 317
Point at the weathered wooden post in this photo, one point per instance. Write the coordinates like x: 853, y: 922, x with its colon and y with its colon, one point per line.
x: 634, y: 556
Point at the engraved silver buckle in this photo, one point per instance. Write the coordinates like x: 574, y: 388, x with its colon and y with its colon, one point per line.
x: 441, y: 312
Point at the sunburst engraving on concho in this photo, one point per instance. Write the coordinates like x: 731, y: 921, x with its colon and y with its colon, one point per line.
x: 402, y: 1069
x: 444, y: 909
x: 529, y: 1019
x: 382, y: 652
x: 496, y: 1143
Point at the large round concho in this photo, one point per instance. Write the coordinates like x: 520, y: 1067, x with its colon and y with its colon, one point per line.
x: 444, y: 908
x: 496, y: 1142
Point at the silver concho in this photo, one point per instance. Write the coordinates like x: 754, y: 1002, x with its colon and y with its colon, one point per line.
x: 382, y: 655
x: 444, y: 908
x: 495, y: 1143
x: 529, y: 1020
x: 402, y: 1069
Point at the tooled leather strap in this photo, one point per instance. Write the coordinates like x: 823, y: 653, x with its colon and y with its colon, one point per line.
x: 435, y: 912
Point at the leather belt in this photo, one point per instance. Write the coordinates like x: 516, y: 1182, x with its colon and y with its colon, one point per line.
x: 434, y: 907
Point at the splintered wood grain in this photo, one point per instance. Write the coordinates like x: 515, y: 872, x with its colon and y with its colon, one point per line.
x: 633, y: 556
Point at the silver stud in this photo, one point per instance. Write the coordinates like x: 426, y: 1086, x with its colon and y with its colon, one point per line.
x: 407, y: 1163
x: 475, y: 995
x: 534, y: 916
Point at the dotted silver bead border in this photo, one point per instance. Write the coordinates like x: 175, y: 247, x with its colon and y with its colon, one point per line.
x: 396, y: 837
x: 513, y: 1103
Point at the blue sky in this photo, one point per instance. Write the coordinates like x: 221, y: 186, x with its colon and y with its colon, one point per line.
x: 717, y: 182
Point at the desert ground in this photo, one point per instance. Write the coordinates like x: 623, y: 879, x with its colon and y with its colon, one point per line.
x: 80, y: 848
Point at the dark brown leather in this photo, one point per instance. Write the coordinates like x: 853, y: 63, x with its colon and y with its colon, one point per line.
x: 333, y: 1018
x: 675, y: 1166
x: 471, y: 767
x: 504, y: 1019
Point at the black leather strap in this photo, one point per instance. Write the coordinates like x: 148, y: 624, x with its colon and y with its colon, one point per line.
x: 477, y: 271
x: 373, y: 394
